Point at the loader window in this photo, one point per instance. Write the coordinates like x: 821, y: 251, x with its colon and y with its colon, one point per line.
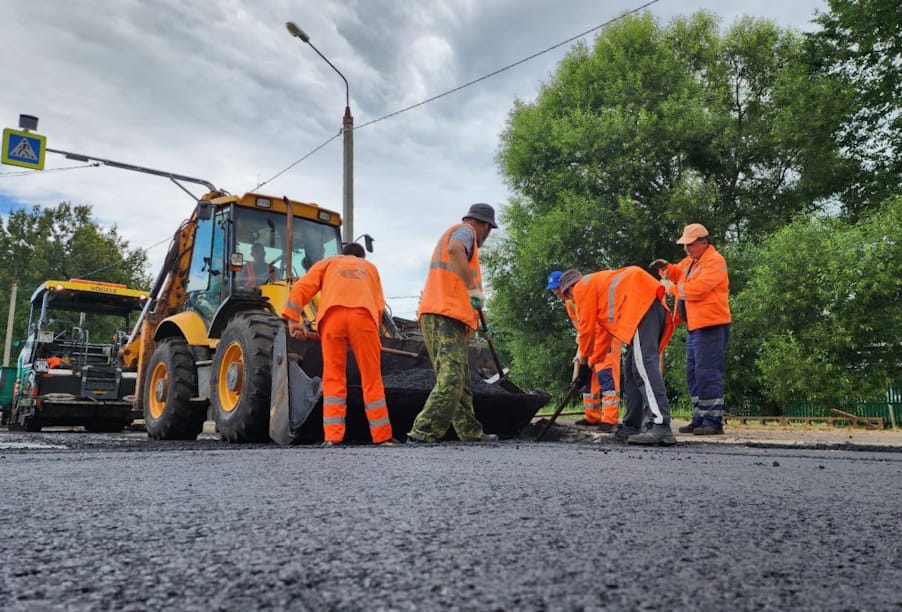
x: 198, y: 274
x: 205, y: 274
x: 311, y: 241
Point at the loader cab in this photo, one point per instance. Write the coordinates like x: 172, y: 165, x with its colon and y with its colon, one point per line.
x: 240, y: 248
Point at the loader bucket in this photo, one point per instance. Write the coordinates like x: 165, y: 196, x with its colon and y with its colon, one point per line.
x: 407, y: 382
x: 294, y: 394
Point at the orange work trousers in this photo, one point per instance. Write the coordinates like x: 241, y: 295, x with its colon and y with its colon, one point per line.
x: 601, y: 404
x: 342, y: 327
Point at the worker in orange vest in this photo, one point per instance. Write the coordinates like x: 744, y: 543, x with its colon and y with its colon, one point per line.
x: 448, y: 315
x: 601, y: 398
x: 701, y: 286
x: 627, y: 305
x: 350, y: 311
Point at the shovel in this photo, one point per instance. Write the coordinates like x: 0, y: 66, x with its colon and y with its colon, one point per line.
x: 294, y: 394
x: 574, y: 387
x: 501, y: 377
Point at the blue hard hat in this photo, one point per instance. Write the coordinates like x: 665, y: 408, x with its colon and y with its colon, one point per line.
x: 554, y: 279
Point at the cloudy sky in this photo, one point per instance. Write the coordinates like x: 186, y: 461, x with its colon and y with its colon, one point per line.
x: 218, y: 89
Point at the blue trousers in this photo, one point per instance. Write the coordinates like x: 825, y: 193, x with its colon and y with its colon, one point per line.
x: 706, y: 350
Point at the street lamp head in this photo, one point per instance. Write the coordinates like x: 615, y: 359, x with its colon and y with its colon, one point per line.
x: 297, y: 32
x: 28, y: 122
x: 347, y: 128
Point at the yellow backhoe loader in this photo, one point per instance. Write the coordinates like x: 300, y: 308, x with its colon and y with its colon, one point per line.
x: 210, y: 338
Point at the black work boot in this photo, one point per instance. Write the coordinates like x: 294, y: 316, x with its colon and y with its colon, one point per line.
x: 658, y: 435
x: 708, y: 430
x: 687, y: 428
x: 624, y: 432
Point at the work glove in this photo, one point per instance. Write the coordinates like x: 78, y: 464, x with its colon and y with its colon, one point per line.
x: 583, y: 376
x: 476, y: 298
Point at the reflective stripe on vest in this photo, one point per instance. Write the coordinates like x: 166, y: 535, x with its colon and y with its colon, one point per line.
x: 612, y: 302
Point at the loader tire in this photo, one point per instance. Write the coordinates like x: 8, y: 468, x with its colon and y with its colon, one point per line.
x: 242, y: 378
x: 171, y: 382
x: 32, y: 424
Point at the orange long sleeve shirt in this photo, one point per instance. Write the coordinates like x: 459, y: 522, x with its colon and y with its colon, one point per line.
x: 344, y: 280
x: 705, y: 289
x: 611, y: 304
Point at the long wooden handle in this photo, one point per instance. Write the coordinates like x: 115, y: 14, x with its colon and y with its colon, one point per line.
x: 399, y: 352
x: 569, y: 395
x: 488, y: 338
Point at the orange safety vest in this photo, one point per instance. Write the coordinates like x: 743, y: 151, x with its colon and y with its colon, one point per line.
x: 445, y: 292
x: 619, y: 299
x: 705, y: 289
x: 345, y: 280
x: 266, y: 273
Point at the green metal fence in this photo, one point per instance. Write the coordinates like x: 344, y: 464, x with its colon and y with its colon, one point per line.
x: 889, y: 408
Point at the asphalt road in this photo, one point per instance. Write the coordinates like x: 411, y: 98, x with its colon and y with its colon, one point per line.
x: 122, y: 522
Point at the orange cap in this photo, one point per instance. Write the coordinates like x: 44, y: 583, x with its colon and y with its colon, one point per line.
x: 692, y: 232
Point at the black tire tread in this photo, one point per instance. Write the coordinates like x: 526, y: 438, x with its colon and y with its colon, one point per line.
x: 249, y: 421
x: 181, y: 420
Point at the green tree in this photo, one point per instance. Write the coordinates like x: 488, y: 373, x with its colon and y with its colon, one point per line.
x: 861, y: 43
x: 651, y: 128
x: 819, y: 316
x: 57, y: 244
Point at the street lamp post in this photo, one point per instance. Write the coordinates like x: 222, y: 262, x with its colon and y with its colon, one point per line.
x: 347, y: 126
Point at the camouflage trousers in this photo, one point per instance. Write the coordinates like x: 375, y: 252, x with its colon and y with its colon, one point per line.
x: 450, y: 403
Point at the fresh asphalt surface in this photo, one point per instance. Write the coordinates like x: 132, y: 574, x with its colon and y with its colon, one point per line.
x: 117, y: 521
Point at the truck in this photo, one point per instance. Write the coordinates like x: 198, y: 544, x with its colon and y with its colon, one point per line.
x: 68, y: 371
x: 205, y: 345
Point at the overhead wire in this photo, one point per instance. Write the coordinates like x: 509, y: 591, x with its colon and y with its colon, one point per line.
x: 27, y: 172
x: 402, y: 110
x: 93, y: 272
x: 467, y: 84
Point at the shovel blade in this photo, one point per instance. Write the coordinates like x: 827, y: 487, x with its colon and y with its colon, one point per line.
x: 496, y: 378
x: 502, y: 381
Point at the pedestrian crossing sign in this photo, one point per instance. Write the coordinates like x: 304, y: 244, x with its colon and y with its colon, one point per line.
x: 24, y: 149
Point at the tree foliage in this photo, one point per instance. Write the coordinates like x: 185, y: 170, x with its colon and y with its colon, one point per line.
x: 819, y: 316
x: 653, y: 127
x: 861, y: 43
x: 57, y: 244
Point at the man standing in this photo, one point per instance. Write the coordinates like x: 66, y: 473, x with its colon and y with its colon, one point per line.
x: 702, y: 289
x: 448, y: 314
x: 350, y: 310
x: 604, y: 386
x: 626, y: 304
